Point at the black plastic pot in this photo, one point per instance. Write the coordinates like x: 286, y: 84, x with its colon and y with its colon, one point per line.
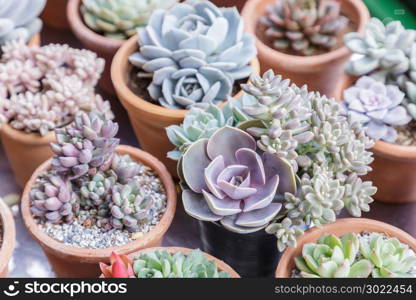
x: 251, y: 255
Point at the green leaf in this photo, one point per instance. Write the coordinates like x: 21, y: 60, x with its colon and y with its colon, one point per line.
x: 361, y: 269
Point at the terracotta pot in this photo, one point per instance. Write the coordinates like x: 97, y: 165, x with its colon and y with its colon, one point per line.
x: 25, y: 151
x: 103, y: 46
x: 319, y: 72
x: 9, y: 238
x: 148, y: 120
x: 54, y: 14
x: 68, y: 261
x: 339, y: 228
x: 230, y: 3
x: 393, y: 167
x: 35, y: 41
x: 221, y: 266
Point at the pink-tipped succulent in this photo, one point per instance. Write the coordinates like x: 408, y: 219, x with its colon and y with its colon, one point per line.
x: 229, y: 181
x: 120, y: 267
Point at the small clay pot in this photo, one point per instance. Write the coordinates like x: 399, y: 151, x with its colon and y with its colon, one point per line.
x: 25, y: 151
x: 54, y: 14
x: 230, y: 3
x: 339, y: 228
x: 103, y: 46
x: 72, y: 262
x: 9, y: 237
x: 149, y: 120
x: 393, y: 166
x: 221, y: 266
x: 319, y: 72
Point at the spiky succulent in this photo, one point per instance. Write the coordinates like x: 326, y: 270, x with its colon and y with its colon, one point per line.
x: 162, y: 264
x: 53, y: 199
x: 390, y: 257
x: 119, y: 19
x: 377, y: 106
x: 333, y: 257
x: 388, y: 54
x: 193, y: 52
x: 19, y: 19
x: 304, y: 26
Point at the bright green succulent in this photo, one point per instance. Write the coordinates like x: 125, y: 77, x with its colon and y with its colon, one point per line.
x: 161, y: 264
x: 333, y: 257
x: 390, y: 257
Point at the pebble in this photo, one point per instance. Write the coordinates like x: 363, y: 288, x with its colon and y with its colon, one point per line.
x: 406, y: 135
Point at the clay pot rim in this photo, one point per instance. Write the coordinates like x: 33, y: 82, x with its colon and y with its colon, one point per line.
x: 27, y: 138
x: 221, y: 265
x: 286, y: 262
x: 97, y: 255
x: 300, y: 62
x: 78, y: 26
x: 9, y: 236
x: 129, y: 98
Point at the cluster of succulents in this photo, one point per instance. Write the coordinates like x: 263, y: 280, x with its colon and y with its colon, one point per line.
x: 304, y: 26
x: 377, y: 106
x: 162, y: 264
x: 245, y: 177
x: 119, y: 19
x: 44, y: 88
x: 387, y: 53
x: 356, y: 256
x: 193, y: 53
x: 19, y: 19
x: 87, y: 174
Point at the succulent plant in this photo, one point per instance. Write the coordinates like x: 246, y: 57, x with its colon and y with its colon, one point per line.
x: 230, y: 182
x: 333, y: 257
x: 95, y: 189
x: 19, y: 19
x: 194, y: 52
x: 388, y: 54
x: 390, y: 257
x: 124, y: 168
x: 120, y: 267
x: 285, y: 232
x: 85, y: 146
x: 53, y: 199
x: 161, y: 264
x: 377, y: 106
x: 119, y: 19
x: 304, y: 26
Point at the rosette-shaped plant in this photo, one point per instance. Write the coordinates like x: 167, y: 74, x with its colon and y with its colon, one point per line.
x: 124, y: 167
x: 95, y: 189
x: 333, y: 257
x: 377, y: 106
x: 52, y: 199
x: 85, y: 146
x: 193, y: 52
x: 161, y: 264
x: 120, y: 267
x: 118, y: 19
x: 390, y: 257
x: 19, y: 19
x: 304, y: 26
x: 228, y: 181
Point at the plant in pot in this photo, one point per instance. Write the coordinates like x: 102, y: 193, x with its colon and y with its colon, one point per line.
x: 42, y: 89
x: 95, y: 197
x: 302, y: 39
x: 380, y: 92
x: 166, y: 262
x: 267, y: 166
x: 7, y: 237
x: 192, y: 54
x: 104, y: 25
x: 19, y: 21
x: 351, y: 248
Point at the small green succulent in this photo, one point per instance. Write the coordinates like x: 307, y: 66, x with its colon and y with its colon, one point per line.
x: 161, y: 264
x: 333, y: 257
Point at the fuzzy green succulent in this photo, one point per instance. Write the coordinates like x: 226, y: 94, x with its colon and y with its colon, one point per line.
x: 119, y: 19
x: 304, y: 26
x: 333, y: 257
x: 161, y: 264
x: 390, y: 257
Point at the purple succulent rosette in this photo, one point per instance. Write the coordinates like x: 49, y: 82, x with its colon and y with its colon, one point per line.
x: 227, y: 179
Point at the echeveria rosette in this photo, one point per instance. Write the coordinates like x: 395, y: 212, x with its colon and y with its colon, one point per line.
x: 194, y: 52
x: 377, y: 106
x: 226, y: 180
